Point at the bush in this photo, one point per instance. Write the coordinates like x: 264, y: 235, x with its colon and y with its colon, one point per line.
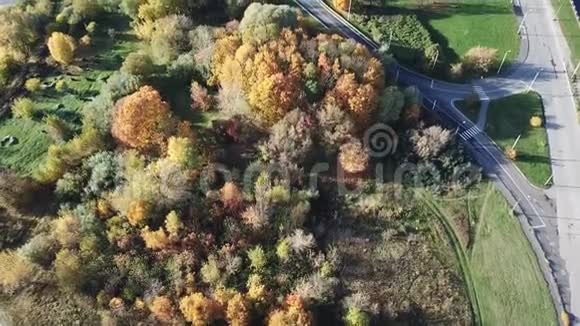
x: 356, y: 317
x: 57, y: 129
x: 86, y: 40
x: 33, y: 85
x: 41, y: 249
x: 68, y: 269
x: 535, y: 121
x: 60, y: 85
x: 91, y: 27
x: 480, y: 60
x: 62, y: 48
x: 121, y: 84
x: 23, y: 108
x: 353, y: 157
x: 138, y: 63
x: 14, y: 270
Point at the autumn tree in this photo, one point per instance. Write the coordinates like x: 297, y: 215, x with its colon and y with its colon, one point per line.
x: 162, y: 308
x: 342, y: 4
x: 429, y: 142
x: 142, y: 120
x: 480, y: 60
x: 263, y: 22
x: 62, y: 48
x: 198, y: 309
x: 180, y: 151
x: 353, y: 157
x: 200, y: 98
x: 238, y: 311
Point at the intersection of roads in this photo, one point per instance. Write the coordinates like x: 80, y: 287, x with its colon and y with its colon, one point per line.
x: 550, y: 219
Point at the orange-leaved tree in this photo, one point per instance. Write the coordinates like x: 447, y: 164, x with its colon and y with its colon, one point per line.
x: 142, y: 120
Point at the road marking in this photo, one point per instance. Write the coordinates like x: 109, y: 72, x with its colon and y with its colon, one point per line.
x: 470, y: 133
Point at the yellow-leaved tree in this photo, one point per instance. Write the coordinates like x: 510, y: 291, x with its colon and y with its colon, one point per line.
x: 62, y: 48
x: 142, y: 120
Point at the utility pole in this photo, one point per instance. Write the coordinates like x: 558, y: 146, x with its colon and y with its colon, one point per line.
x: 516, y: 142
x: 533, y: 80
x: 558, y: 11
x: 576, y: 69
x: 522, y: 23
x: 435, y: 61
x: 349, y: 8
x: 503, y: 60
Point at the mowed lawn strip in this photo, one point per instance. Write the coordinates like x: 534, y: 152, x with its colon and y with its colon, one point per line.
x: 510, y: 286
x: 569, y: 25
x: 509, y: 118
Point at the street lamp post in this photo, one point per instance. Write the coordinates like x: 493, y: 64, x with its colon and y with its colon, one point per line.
x: 523, y: 21
x: 503, y: 60
x: 349, y: 8
x: 534, y: 80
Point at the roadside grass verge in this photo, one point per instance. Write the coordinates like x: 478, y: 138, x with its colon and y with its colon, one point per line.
x: 509, y: 118
x: 508, y: 283
x: 105, y: 56
x: 570, y: 27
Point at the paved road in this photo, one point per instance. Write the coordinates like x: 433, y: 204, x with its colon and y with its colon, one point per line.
x: 537, y: 211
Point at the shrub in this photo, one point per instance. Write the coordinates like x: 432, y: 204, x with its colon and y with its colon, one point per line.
x: 356, y: 317
x: 41, y: 249
x: 138, y: 63
x: 511, y: 153
x: 342, y: 4
x: 480, y: 60
x: 121, y: 84
x: 536, y: 121
x: 57, y: 129
x: 457, y: 71
x: 14, y: 270
x: 60, y: 85
x: 86, y: 40
x: 91, y: 27
x: 33, y: 85
x: 68, y: 269
x: 353, y: 157
x: 23, y: 108
x: 62, y: 48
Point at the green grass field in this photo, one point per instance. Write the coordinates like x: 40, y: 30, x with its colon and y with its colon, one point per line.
x: 509, y: 286
x: 106, y: 56
x: 458, y: 25
x: 569, y: 25
x: 506, y: 120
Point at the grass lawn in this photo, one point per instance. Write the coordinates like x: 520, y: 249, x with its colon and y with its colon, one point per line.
x: 106, y: 56
x: 458, y: 25
x: 509, y: 285
x: 510, y: 117
x: 569, y: 25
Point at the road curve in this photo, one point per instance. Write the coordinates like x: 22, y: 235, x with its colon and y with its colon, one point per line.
x: 535, y: 210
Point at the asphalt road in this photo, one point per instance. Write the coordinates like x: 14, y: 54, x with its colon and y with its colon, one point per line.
x: 537, y: 212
